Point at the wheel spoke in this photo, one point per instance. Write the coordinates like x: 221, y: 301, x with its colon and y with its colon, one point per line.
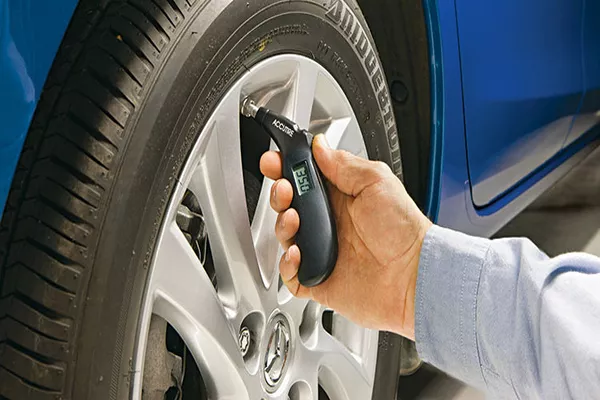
x: 218, y: 184
x: 184, y: 296
x: 302, y: 97
x: 344, y: 134
x: 293, y: 306
x: 310, y: 376
x: 305, y: 391
x: 341, y: 374
x: 268, y: 250
x: 306, y: 369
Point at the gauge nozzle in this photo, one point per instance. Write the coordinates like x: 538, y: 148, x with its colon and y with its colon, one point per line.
x: 249, y: 108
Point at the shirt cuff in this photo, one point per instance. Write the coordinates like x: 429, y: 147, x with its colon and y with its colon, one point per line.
x: 446, y: 302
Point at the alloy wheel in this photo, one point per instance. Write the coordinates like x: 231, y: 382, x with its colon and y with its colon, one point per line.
x: 214, y: 278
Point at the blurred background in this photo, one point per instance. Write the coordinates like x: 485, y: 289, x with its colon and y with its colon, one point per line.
x: 565, y: 219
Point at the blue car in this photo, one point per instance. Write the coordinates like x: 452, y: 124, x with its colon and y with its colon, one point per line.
x: 137, y: 253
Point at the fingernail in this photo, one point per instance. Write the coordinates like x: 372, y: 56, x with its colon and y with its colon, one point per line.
x: 323, y: 139
x: 287, y: 256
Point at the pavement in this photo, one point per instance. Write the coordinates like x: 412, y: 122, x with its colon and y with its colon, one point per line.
x: 565, y: 219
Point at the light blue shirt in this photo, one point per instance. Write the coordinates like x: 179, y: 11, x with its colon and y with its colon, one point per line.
x: 502, y: 316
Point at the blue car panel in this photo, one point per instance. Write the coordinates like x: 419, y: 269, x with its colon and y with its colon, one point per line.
x: 589, y: 115
x: 591, y: 45
x: 523, y: 83
x: 30, y: 33
x: 450, y: 200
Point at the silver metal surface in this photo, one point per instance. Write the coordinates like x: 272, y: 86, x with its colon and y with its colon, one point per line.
x: 245, y: 340
x: 249, y: 108
x: 277, y: 352
x: 246, y: 256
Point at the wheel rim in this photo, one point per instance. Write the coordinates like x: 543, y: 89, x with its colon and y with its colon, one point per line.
x: 249, y: 303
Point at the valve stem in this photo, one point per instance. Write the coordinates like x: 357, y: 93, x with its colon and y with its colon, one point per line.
x: 249, y: 108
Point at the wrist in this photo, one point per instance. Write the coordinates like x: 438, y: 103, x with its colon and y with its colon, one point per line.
x: 405, y: 324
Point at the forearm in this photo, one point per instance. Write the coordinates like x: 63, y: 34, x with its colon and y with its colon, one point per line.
x: 502, y: 316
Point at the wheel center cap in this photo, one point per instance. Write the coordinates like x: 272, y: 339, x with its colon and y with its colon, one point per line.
x: 277, y: 352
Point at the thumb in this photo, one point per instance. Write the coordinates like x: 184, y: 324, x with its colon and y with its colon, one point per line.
x: 349, y: 173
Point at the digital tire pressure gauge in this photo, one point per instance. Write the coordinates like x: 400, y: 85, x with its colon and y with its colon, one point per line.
x: 317, y: 236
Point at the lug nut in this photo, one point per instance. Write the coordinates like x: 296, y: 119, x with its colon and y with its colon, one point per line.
x: 244, y: 341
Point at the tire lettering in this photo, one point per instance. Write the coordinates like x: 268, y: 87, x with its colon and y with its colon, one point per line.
x: 371, y: 63
x: 344, y: 17
x: 348, y: 24
x: 378, y: 80
x: 335, y: 12
x: 323, y: 48
x: 394, y: 142
x: 362, y: 45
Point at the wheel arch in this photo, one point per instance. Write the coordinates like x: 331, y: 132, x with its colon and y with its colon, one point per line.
x: 402, y: 42
x: 31, y: 33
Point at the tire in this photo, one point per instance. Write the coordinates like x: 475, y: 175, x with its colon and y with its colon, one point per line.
x: 113, y: 128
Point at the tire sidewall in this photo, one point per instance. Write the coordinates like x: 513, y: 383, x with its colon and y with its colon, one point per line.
x: 221, y: 41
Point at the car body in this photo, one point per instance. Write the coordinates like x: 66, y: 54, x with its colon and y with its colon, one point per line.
x: 515, y: 94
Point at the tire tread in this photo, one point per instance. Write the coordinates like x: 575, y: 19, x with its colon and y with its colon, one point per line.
x: 49, y: 228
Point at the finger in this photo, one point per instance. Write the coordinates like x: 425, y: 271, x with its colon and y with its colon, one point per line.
x: 288, y: 223
x: 282, y: 195
x: 288, y: 268
x: 271, y: 165
x: 349, y: 173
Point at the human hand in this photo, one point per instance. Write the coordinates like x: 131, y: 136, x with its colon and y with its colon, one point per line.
x: 380, y: 233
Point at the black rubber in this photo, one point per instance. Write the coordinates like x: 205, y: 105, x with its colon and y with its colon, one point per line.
x: 404, y: 53
x: 127, y: 96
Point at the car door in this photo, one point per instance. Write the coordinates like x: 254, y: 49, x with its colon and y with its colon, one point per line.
x: 589, y: 115
x: 522, y: 81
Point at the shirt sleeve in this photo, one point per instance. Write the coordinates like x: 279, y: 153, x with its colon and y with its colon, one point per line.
x: 502, y: 316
